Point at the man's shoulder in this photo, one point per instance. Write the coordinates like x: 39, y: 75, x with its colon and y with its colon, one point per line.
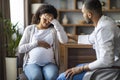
x: 108, y: 21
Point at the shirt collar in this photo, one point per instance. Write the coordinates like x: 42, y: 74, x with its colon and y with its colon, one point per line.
x: 99, y: 23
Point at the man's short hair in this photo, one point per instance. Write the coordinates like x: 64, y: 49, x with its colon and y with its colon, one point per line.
x: 93, y: 5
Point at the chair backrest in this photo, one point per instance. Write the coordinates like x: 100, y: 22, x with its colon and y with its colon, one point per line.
x: 20, y: 60
x: 20, y: 74
x: 106, y: 74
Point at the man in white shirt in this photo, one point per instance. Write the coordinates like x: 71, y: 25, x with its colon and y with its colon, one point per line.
x: 105, y: 40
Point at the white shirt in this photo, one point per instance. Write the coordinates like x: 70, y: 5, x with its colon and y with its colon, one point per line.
x: 26, y: 44
x: 106, y: 42
x: 40, y: 55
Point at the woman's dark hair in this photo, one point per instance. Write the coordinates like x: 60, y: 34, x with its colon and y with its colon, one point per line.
x: 45, y: 8
x: 93, y: 5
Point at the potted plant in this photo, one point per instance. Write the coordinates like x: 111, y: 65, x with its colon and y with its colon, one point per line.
x: 12, y: 35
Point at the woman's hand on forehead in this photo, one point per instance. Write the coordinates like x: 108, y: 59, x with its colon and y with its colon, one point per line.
x: 49, y: 17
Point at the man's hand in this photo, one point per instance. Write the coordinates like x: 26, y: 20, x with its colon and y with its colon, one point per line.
x: 43, y: 44
x: 73, y: 71
x: 72, y: 36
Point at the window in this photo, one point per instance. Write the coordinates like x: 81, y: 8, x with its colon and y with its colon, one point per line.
x: 17, y: 13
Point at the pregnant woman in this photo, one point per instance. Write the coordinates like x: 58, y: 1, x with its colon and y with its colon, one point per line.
x: 40, y: 42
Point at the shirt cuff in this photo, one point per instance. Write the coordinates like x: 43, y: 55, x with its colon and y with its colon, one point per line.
x: 83, y: 39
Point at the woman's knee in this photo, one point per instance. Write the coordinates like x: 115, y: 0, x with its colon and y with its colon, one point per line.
x: 34, y: 76
x: 33, y: 72
x: 50, y: 72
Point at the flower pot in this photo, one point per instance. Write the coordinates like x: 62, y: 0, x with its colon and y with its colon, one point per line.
x: 11, y: 68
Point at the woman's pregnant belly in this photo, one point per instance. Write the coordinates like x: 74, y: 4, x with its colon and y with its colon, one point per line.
x: 41, y: 56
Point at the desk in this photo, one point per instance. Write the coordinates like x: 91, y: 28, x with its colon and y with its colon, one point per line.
x: 73, y: 54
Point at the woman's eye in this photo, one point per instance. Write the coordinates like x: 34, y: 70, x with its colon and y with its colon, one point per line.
x: 44, y: 19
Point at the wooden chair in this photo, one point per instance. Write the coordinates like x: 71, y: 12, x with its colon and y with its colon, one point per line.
x: 20, y: 73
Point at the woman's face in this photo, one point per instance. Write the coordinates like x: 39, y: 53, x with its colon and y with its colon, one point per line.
x: 45, y: 19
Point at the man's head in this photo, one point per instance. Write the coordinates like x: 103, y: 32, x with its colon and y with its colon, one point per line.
x: 90, y: 9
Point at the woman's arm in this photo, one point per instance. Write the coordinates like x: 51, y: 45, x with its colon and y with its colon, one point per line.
x: 25, y: 45
x: 62, y: 36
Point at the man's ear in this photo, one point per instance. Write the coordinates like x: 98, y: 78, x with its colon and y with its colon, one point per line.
x: 89, y: 15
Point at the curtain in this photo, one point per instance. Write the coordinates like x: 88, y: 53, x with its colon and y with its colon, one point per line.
x: 5, y: 13
x: 27, y: 12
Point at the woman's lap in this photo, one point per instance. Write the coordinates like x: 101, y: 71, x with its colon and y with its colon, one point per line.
x: 49, y: 71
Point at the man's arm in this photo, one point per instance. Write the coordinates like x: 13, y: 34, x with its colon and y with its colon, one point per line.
x: 72, y: 36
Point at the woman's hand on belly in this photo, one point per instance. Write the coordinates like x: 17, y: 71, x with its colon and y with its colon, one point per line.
x: 43, y: 44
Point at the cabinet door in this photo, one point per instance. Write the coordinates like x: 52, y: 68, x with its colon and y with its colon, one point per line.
x: 80, y: 55
x: 74, y: 54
